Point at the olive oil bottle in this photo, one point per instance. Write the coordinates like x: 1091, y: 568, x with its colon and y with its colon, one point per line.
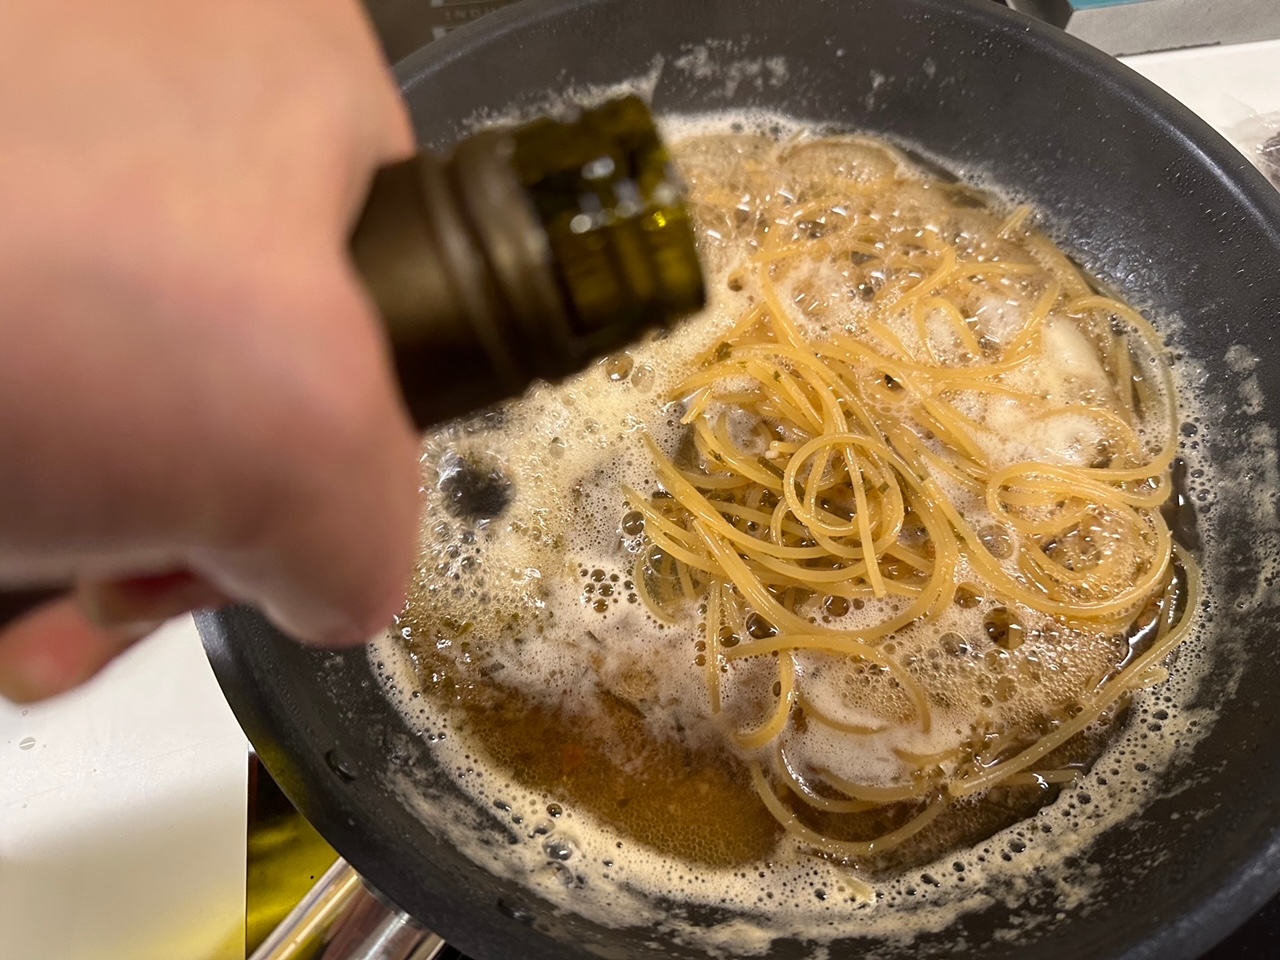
x: 525, y: 254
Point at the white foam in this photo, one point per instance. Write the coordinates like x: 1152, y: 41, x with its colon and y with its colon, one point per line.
x: 584, y: 440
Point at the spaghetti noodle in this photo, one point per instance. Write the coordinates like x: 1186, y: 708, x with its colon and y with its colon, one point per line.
x: 924, y: 470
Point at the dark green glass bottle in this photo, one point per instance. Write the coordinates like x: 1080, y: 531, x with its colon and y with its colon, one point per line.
x: 525, y: 254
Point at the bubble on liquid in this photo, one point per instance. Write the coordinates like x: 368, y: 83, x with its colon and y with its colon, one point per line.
x: 633, y: 523
x: 643, y: 378
x: 567, y: 453
x: 473, y: 487
x: 997, y: 541
x: 558, y: 849
x: 341, y: 764
x: 618, y: 367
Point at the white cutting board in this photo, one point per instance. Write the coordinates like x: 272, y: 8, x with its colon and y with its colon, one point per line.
x: 122, y: 815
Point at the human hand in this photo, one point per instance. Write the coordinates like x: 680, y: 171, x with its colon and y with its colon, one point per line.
x: 196, y: 404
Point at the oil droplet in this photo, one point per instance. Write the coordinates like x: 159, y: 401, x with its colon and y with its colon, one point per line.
x: 26, y: 743
x: 340, y: 765
x: 516, y: 912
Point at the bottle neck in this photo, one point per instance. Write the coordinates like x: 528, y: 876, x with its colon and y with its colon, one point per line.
x: 458, y: 266
x: 524, y: 255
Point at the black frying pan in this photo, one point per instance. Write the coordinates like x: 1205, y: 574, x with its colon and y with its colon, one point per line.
x: 1150, y: 199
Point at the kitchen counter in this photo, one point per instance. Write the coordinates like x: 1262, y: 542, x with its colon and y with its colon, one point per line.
x: 122, y: 814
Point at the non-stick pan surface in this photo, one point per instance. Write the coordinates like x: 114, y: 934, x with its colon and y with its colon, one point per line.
x: 1146, y: 195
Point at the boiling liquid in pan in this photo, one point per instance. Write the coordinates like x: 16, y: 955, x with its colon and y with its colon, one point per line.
x: 581, y: 723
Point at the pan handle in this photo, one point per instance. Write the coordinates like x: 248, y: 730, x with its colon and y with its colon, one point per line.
x: 342, y: 918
